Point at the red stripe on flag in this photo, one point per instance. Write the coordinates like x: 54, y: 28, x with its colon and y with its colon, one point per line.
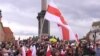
x: 62, y: 20
x: 48, y: 53
x: 65, y: 32
x: 53, y: 11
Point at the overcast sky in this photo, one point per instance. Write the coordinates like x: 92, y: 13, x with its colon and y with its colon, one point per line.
x: 21, y: 15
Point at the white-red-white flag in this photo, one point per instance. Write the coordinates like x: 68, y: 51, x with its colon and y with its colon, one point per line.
x: 53, y: 14
x: 48, y: 53
x: 23, y: 51
x: 34, y: 51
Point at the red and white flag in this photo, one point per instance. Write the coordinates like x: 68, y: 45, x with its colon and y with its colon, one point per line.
x: 28, y: 52
x: 53, y: 14
x: 77, y: 39
x: 33, y: 50
x: 23, y: 51
x: 48, y: 53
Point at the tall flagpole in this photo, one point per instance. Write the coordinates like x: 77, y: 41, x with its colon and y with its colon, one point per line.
x: 43, y: 25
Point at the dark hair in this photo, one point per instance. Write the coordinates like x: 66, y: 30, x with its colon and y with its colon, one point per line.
x: 3, y: 45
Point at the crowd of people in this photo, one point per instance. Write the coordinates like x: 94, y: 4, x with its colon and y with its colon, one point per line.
x: 39, y: 47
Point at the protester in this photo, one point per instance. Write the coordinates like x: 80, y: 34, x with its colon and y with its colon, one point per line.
x: 31, y: 47
x: 97, y: 50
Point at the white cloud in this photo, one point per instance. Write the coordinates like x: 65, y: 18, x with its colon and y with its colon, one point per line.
x: 16, y: 27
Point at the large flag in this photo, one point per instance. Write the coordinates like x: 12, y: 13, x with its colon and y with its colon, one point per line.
x: 48, y: 53
x: 53, y: 14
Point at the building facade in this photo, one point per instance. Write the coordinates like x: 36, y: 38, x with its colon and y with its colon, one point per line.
x: 2, y: 35
x: 8, y: 34
x: 94, y: 33
x: 5, y: 32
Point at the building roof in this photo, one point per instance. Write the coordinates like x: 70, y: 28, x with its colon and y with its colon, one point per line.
x: 7, y: 30
x: 97, y: 23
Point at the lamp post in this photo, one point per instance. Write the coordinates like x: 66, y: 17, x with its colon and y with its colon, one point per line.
x: 94, y: 36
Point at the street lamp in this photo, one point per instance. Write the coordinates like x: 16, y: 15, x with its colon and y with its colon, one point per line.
x: 94, y: 36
